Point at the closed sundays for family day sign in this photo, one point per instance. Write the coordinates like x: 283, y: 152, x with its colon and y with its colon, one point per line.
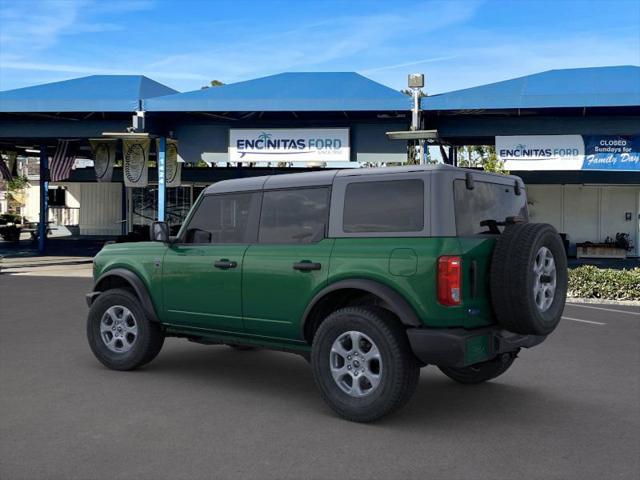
x: 569, y: 152
x: 289, y: 145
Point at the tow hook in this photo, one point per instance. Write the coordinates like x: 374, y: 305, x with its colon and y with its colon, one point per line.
x: 505, y: 357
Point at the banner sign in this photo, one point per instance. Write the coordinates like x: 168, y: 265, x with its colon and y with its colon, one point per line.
x: 610, y: 152
x: 104, y: 157
x: 289, y: 145
x: 541, y: 152
x: 569, y: 152
x: 136, y: 162
x: 173, y: 167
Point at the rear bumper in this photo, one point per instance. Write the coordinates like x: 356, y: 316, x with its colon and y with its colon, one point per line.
x: 457, y: 347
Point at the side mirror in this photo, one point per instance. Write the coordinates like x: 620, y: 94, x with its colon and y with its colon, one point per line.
x: 159, y: 232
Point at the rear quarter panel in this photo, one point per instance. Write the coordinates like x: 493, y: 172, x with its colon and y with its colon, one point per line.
x: 374, y: 259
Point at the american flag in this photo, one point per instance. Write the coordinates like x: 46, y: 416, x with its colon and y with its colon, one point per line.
x: 4, y: 170
x: 62, y: 161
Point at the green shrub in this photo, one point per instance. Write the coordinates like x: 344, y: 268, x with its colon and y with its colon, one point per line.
x: 593, y: 282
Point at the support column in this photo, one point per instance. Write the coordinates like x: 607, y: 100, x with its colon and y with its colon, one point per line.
x: 44, y: 199
x: 162, y: 190
x: 124, y: 210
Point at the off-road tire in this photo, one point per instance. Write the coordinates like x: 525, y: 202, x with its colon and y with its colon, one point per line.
x: 148, y: 342
x: 512, y: 278
x: 480, y: 372
x: 399, y: 375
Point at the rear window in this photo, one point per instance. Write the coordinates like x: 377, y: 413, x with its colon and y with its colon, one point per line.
x: 487, y: 201
x: 384, y: 206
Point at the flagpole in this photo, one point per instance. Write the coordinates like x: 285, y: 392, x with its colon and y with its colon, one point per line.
x: 44, y: 199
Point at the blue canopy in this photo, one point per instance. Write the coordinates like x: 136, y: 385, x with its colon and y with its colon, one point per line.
x: 289, y: 92
x: 96, y: 93
x: 577, y: 87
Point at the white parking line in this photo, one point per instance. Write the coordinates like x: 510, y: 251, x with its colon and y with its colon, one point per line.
x: 583, y: 321
x: 602, y: 308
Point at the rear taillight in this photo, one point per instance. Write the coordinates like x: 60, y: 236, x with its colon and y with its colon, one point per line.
x: 449, y: 280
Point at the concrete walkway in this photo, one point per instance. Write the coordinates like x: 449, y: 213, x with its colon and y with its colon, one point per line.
x: 47, y: 266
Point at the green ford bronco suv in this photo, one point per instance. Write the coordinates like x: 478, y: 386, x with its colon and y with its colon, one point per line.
x: 370, y: 274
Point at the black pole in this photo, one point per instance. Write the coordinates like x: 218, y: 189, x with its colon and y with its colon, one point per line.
x: 44, y: 199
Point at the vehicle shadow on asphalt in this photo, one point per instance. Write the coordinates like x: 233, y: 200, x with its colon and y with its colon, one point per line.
x: 438, y: 401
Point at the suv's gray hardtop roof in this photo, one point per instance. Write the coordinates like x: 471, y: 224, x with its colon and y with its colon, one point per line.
x: 326, y: 177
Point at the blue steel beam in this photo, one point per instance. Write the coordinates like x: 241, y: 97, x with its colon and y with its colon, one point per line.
x: 162, y: 155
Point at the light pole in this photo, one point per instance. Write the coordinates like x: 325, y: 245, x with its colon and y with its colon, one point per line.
x: 416, y: 83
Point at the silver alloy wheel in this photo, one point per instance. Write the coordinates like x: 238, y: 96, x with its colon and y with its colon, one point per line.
x: 118, y: 329
x: 544, y: 283
x: 356, y: 364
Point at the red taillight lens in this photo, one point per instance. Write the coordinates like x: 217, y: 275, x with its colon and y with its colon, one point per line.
x: 449, y: 280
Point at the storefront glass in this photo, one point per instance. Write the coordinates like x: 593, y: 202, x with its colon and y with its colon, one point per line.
x: 144, y: 207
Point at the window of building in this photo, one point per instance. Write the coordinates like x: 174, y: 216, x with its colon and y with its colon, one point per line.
x: 384, y: 206
x: 294, y: 215
x: 223, y: 219
x: 57, y: 197
x: 487, y: 201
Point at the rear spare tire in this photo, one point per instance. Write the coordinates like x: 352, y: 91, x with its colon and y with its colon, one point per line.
x: 528, y: 278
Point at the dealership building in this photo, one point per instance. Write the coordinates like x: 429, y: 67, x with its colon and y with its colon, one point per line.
x: 573, y: 135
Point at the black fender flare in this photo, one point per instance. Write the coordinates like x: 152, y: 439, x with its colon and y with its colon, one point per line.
x: 396, y: 302
x: 135, y: 282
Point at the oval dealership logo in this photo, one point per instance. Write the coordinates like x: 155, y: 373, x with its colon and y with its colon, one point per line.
x: 134, y: 162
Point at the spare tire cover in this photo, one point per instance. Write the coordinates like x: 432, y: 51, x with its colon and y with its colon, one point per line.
x: 528, y: 278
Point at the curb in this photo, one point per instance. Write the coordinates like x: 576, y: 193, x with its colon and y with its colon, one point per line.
x: 602, y: 301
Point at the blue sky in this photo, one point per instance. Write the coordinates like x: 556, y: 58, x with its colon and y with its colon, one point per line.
x: 184, y: 44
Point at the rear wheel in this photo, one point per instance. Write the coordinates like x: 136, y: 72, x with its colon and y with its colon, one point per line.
x: 119, y: 333
x: 480, y: 372
x: 363, y: 364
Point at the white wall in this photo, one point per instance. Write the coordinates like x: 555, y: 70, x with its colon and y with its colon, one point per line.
x: 100, y: 208
x: 587, y: 212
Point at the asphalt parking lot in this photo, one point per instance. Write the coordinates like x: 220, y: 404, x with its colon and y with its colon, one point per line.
x: 569, y: 408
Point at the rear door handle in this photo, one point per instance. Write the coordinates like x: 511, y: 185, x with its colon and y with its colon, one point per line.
x: 306, y: 266
x: 225, y: 264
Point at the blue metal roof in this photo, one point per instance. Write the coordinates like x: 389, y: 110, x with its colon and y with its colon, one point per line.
x: 299, y: 92
x: 577, y: 87
x: 96, y: 93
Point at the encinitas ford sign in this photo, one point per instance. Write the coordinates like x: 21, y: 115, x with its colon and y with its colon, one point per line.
x: 289, y: 145
x: 541, y: 152
x: 569, y: 152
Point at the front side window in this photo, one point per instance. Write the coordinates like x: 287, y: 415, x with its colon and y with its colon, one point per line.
x: 384, y: 206
x: 294, y: 216
x: 222, y: 219
x: 486, y: 202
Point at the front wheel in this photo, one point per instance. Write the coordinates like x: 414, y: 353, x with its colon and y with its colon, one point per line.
x: 480, y: 372
x: 362, y: 363
x: 119, y: 333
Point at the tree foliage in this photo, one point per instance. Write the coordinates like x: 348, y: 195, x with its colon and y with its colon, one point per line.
x: 484, y: 156
x: 213, y: 83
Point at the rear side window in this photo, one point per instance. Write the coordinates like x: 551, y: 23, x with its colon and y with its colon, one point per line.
x: 487, y: 201
x: 294, y: 216
x: 224, y: 219
x: 384, y: 206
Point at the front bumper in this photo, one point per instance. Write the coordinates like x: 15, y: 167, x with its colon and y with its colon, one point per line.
x: 457, y: 347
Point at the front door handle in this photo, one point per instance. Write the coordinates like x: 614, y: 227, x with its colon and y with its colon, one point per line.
x: 306, y: 266
x: 225, y: 264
